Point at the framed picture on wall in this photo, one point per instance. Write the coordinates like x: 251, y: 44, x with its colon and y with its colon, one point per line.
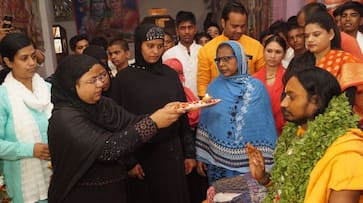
x: 107, y: 18
x: 63, y: 10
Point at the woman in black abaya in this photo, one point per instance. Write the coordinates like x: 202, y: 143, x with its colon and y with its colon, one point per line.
x: 161, y: 165
x: 90, y: 136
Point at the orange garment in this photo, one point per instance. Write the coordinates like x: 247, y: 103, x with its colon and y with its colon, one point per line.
x: 275, y: 91
x: 350, y: 44
x: 349, y: 72
x: 339, y: 169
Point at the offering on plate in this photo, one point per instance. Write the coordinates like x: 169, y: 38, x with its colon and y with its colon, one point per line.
x: 206, y: 101
x: 207, y: 98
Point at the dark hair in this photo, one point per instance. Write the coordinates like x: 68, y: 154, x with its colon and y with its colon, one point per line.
x: 264, y: 34
x: 312, y: 8
x: 337, y: 11
x: 279, y: 26
x: 12, y: 43
x: 199, y: 35
x: 320, y: 83
x: 75, y: 39
x: 292, y: 20
x: 299, y: 63
x: 98, y: 53
x: 212, y: 24
x: 185, y: 16
x: 233, y: 6
x: 354, y: 5
x: 278, y: 39
x: 121, y: 42
x: 293, y: 26
x: 326, y: 21
x: 9, y: 46
x: 99, y: 41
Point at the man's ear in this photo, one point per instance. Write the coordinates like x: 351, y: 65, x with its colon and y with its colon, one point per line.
x: 314, y: 100
x: 223, y: 23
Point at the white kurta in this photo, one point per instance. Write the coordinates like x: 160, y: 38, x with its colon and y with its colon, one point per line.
x: 190, y: 62
x: 359, y: 38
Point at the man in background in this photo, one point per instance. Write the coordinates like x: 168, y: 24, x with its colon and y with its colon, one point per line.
x: 186, y: 50
x: 78, y: 43
x: 118, y: 53
x: 234, y: 23
x: 351, y: 14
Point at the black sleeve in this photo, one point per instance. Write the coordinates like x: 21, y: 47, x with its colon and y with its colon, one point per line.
x: 112, y: 116
x: 119, y: 143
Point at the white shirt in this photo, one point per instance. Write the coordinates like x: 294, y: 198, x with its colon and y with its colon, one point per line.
x: 359, y: 38
x: 190, y: 62
x: 288, y: 57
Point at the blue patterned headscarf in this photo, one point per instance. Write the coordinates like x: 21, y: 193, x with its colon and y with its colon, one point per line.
x: 243, y: 116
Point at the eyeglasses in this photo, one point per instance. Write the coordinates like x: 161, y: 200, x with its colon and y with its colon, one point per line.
x: 100, y: 78
x: 224, y: 59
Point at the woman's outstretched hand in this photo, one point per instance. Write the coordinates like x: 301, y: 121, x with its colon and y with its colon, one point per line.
x: 256, y: 162
x: 167, y: 115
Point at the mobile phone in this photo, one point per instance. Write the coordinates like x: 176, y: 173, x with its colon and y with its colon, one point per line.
x: 7, y: 21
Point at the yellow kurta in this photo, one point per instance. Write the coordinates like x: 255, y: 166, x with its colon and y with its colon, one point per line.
x: 341, y: 168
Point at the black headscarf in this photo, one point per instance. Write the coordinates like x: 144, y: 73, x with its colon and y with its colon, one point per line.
x: 147, y: 32
x: 66, y: 76
x: 98, y: 53
x: 64, y: 91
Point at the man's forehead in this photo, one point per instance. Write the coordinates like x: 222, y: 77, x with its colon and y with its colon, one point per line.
x: 293, y: 85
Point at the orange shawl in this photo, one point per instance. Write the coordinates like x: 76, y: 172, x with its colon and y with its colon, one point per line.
x: 349, y: 72
x: 339, y: 169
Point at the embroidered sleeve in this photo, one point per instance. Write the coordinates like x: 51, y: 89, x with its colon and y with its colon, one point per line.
x: 146, y: 128
x: 121, y: 143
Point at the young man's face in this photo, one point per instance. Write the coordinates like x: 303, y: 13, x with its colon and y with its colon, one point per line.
x: 350, y: 20
x: 296, y: 106
x: 186, y: 31
x: 81, y: 46
x: 118, y: 56
x: 296, y: 39
x: 235, y: 26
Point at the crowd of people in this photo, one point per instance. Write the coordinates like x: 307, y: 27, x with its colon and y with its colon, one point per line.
x: 107, y: 128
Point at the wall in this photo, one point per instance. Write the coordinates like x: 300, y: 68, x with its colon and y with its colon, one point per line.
x: 195, y: 6
x: 283, y: 9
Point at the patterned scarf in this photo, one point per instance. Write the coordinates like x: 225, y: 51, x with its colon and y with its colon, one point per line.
x: 244, y: 116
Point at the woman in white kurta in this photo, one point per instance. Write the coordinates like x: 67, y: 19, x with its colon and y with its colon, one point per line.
x: 24, y: 111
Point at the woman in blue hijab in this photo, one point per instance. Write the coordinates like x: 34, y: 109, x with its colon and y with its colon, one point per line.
x: 243, y: 116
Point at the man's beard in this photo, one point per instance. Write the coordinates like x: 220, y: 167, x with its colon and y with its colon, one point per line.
x: 299, y: 121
